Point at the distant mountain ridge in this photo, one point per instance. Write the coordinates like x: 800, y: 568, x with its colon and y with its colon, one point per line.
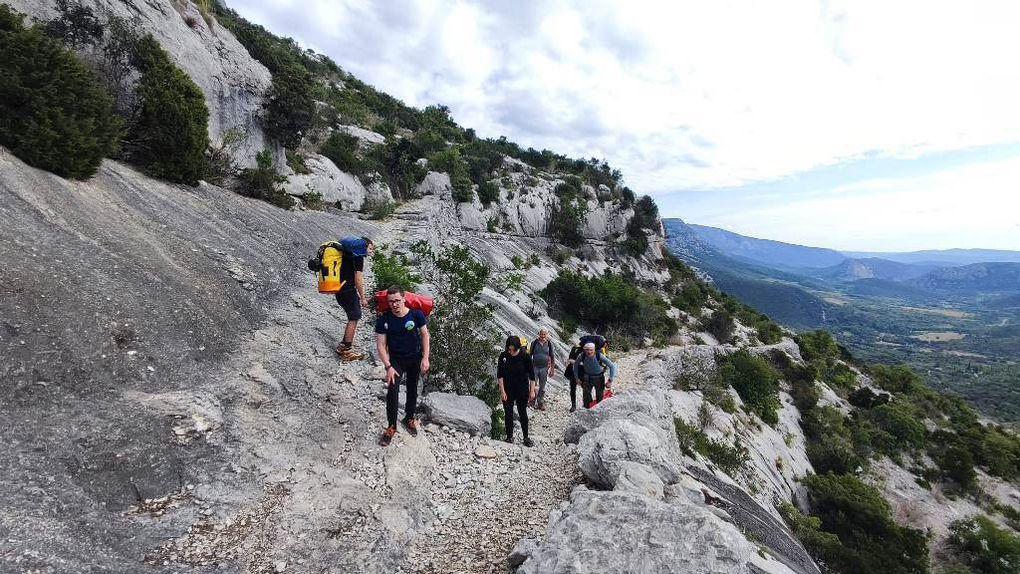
x: 767, y: 251
x: 978, y: 277
x: 874, y: 268
x: 791, y: 255
x: 945, y: 256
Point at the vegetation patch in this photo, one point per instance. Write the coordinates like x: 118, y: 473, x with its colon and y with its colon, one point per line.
x: 263, y: 182
x: 755, y: 380
x: 55, y: 114
x: 610, y: 301
x: 732, y: 459
x: 169, y: 136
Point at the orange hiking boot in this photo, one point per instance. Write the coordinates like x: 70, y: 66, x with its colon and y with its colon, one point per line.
x: 387, y: 436
x: 412, y: 426
x: 348, y: 354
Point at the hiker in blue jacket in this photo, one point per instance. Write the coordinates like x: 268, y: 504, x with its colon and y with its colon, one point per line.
x: 590, y: 368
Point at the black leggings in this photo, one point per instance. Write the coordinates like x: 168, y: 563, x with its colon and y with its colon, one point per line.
x: 407, y: 369
x: 522, y: 412
x: 599, y: 384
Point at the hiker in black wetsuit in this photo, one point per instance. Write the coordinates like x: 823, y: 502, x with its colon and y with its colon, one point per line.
x: 568, y: 373
x: 515, y: 375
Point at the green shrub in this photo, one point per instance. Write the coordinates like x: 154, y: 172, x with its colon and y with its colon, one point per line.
x: 817, y: 345
x: 691, y: 298
x: 54, y: 112
x: 720, y: 325
x: 956, y: 465
x: 290, y: 101
x: 312, y: 200
x: 870, y: 541
x: 261, y: 182
x: 290, y: 107
x: 768, y: 332
x: 830, y: 445
x: 393, y: 269
x: 610, y: 301
x: 169, y: 136
x: 838, y: 376
x: 76, y: 26
x: 464, y: 340
x: 566, y: 222
x: 451, y: 162
x: 342, y: 149
x: 755, y: 380
x: 900, y: 428
x: 896, y: 379
x: 296, y: 162
x: 398, y: 163
x: 808, y: 529
x: 985, y: 547
x: 646, y: 217
x: 380, y: 210
x: 731, y: 459
x: 488, y: 192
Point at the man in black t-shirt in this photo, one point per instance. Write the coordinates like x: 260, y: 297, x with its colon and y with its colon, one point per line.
x: 402, y: 340
x: 351, y: 298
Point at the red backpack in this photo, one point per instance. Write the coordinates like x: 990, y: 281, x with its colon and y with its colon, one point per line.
x: 423, y: 303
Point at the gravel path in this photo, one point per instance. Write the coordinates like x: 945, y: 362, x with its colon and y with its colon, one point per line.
x: 483, y: 506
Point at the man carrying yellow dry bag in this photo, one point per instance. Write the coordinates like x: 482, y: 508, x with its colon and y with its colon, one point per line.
x: 339, y: 268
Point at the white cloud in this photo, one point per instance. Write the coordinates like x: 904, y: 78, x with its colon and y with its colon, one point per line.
x: 688, y: 95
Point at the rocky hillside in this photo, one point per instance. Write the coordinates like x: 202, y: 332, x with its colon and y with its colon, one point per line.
x: 172, y: 401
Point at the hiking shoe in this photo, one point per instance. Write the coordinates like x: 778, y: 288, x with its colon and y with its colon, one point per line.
x: 387, y: 436
x: 509, y: 439
x: 531, y: 404
x: 412, y: 426
x: 541, y: 405
x: 348, y: 354
x: 528, y: 443
x: 573, y: 408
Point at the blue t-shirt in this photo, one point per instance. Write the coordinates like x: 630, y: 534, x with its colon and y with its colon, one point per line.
x: 403, y: 334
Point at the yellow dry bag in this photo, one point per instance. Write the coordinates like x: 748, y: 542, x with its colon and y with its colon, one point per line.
x: 331, y: 256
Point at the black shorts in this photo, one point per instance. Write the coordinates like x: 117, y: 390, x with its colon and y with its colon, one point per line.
x: 351, y: 303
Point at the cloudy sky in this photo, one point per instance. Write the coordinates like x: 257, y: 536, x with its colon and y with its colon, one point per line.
x: 864, y: 124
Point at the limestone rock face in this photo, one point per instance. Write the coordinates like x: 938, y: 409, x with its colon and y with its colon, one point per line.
x: 365, y: 137
x: 626, y: 532
x: 461, y: 412
x: 437, y: 184
x: 337, y: 187
x: 234, y: 83
x: 639, y: 479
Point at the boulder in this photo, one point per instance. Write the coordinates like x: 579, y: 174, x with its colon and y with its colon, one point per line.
x: 460, y: 412
x: 639, y: 479
x: 627, y: 532
x: 435, y: 183
x: 336, y: 187
x: 650, y: 406
x: 602, y: 453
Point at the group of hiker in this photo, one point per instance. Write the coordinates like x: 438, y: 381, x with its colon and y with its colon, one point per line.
x: 402, y: 344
